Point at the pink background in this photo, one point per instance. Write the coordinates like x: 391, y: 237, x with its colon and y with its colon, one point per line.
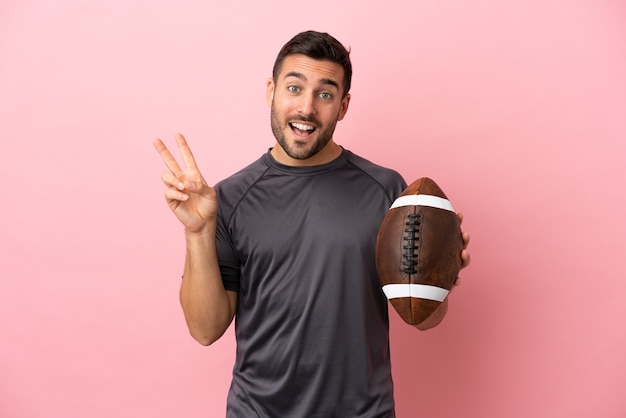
x: 517, y: 109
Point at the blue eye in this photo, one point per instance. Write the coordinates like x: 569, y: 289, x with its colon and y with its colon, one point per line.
x: 293, y: 89
x: 326, y: 96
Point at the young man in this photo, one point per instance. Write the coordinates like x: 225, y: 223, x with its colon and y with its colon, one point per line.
x: 286, y: 247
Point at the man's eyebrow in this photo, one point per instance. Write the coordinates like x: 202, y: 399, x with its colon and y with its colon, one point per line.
x: 327, y: 81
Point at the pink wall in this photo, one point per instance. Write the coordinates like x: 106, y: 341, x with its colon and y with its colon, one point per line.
x: 517, y: 109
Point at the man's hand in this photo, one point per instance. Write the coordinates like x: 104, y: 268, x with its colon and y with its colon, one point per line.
x: 465, y: 255
x: 190, y: 198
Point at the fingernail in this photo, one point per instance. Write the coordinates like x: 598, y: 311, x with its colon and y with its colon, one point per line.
x: 180, y: 185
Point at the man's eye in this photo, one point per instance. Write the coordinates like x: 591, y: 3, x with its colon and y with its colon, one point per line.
x: 293, y: 89
x: 326, y: 96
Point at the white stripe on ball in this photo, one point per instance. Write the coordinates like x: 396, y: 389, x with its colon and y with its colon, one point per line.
x: 422, y: 291
x: 422, y: 200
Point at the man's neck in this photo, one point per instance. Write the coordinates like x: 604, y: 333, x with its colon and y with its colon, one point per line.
x: 327, y: 154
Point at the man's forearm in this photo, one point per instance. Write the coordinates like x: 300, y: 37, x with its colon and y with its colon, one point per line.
x: 207, y: 306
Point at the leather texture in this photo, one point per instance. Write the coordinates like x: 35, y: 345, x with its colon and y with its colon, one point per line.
x: 419, y: 245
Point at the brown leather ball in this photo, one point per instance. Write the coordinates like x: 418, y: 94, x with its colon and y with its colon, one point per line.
x: 418, y: 250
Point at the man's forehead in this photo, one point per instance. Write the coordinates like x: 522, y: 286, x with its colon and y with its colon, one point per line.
x: 309, y: 69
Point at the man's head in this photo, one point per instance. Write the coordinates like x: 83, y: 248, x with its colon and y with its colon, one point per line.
x: 308, y: 95
x: 321, y: 47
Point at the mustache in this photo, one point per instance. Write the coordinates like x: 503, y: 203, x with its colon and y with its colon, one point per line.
x: 309, y: 119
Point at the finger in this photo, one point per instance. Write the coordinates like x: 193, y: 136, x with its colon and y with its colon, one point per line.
x: 175, y: 195
x: 460, y: 217
x: 185, y: 151
x: 167, y: 157
x: 465, y: 258
x: 171, y: 180
x: 466, y: 239
x: 194, y: 186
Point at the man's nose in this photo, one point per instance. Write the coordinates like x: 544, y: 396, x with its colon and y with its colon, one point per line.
x: 306, y: 106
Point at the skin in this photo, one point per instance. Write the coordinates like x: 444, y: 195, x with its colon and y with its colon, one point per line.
x: 208, y: 307
x: 307, y: 93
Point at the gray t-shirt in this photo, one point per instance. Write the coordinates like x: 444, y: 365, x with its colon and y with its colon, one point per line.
x: 312, y: 329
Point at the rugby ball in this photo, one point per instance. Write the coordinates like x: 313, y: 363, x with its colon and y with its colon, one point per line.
x: 418, y: 250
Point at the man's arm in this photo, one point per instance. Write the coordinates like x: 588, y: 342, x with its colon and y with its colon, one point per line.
x: 208, y: 307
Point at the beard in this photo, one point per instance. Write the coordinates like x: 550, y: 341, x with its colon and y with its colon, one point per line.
x: 301, y: 150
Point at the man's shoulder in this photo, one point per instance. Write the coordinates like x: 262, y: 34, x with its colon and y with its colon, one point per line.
x: 388, y: 178
x: 233, y: 189
x: 243, y: 178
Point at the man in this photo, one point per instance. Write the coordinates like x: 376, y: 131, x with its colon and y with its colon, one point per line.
x: 286, y: 247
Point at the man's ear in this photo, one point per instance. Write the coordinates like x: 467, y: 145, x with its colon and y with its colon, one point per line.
x: 269, y: 94
x: 345, y: 103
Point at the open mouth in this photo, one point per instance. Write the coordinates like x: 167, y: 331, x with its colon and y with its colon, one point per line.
x: 302, y: 129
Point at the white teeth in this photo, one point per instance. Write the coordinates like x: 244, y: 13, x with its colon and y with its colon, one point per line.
x: 302, y: 126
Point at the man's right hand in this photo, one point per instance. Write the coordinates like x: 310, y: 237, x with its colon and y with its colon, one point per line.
x: 188, y: 195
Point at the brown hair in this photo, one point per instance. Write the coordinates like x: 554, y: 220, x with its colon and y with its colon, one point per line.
x: 319, y: 46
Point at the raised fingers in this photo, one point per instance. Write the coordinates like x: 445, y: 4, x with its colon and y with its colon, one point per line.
x: 185, y: 151
x: 167, y: 157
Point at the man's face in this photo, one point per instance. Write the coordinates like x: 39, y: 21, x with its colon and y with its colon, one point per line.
x: 306, y: 103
